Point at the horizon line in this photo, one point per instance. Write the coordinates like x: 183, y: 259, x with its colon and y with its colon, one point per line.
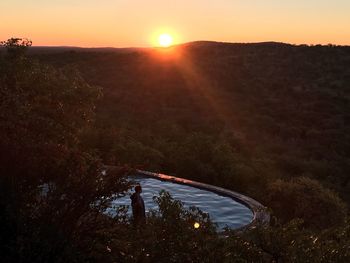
x: 190, y: 42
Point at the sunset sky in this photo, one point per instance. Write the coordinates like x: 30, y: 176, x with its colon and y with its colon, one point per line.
x: 130, y: 23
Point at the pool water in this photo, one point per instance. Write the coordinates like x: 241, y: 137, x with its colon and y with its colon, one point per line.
x: 224, y: 211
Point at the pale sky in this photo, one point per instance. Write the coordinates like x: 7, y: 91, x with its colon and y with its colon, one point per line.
x: 136, y: 23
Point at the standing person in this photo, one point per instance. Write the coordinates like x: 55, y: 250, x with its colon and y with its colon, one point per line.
x: 138, y: 206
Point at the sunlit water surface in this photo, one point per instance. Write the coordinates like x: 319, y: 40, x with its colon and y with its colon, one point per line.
x: 224, y: 211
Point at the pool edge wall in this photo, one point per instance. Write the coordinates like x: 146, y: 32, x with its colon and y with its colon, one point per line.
x: 260, y: 213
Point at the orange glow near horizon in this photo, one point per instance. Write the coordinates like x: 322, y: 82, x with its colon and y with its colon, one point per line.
x: 120, y: 23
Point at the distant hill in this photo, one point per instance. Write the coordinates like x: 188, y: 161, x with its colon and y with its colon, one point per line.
x: 237, y: 115
x: 194, y: 44
x: 43, y: 49
x: 36, y: 50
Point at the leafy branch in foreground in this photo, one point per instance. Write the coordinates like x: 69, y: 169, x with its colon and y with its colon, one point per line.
x: 47, y: 182
x: 169, y: 236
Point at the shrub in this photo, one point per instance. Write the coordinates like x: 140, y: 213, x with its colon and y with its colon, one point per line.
x: 306, y: 199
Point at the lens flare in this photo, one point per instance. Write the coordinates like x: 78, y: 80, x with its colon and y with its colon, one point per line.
x: 196, y: 225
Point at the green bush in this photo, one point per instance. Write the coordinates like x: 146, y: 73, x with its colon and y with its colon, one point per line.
x: 49, y: 186
x: 308, y: 200
x: 169, y: 236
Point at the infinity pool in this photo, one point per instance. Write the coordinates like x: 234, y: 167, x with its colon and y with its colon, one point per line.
x: 224, y: 211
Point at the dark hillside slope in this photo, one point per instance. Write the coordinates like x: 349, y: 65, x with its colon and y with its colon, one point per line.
x: 237, y: 115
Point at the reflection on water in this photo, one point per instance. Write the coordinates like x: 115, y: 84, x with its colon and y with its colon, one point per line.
x: 224, y: 211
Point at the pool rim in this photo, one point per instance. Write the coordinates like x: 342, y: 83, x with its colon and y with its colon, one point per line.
x: 261, y: 216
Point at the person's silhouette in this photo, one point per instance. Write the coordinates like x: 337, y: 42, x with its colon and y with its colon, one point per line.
x: 138, y: 206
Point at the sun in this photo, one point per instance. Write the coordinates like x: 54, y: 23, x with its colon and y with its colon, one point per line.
x: 165, y: 40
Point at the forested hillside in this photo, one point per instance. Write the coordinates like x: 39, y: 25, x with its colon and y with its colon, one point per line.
x: 270, y: 120
x: 236, y: 115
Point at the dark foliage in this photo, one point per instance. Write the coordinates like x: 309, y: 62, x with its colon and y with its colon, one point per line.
x: 48, y: 185
x: 253, y: 118
x: 169, y: 236
x: 235, y: 115
x: 306, y: 199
